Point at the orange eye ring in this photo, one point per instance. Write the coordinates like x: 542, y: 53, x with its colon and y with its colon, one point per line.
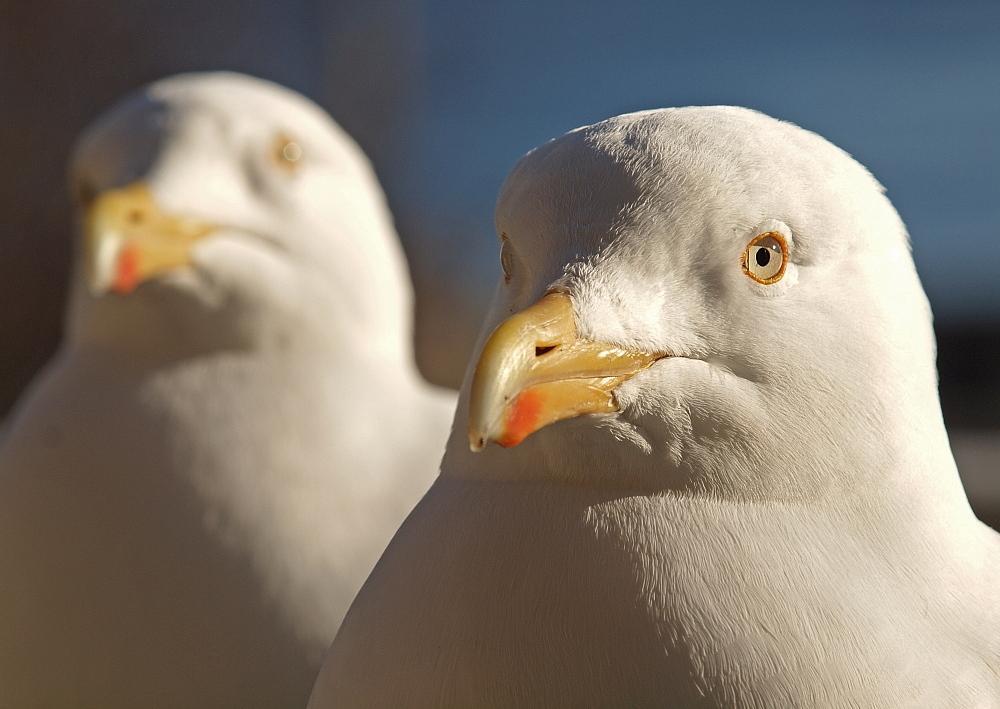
x: 286, y: 153
x: 758, y: 258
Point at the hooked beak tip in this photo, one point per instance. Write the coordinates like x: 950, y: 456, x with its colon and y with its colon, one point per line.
x: 535, y: 370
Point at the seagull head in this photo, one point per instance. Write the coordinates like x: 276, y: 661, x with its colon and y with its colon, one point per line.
x: 235, y: 210
x: 701, y: 299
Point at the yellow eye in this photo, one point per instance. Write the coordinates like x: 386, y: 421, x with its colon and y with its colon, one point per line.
x: 286, y: 153
x: 766, y: 257
x: 506, y: 258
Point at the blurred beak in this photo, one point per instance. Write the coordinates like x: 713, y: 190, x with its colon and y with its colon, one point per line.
x: 129, y: 239
x: 535, y: 370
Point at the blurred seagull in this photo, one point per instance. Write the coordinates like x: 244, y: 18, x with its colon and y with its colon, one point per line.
x: 194, y: 489
x: 734, y: 488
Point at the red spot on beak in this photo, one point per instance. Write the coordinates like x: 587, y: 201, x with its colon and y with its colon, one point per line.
x: 126, y: 270
x: 522, y: 419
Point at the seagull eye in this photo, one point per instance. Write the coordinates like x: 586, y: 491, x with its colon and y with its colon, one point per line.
x: 286, y: 153
x: 765, y: 258
x: 506, y: 258
x: 86, y: 192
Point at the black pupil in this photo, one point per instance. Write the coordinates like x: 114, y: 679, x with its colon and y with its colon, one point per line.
x: 763, y: 256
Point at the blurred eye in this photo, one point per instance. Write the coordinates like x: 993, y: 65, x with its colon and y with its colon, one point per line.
x: 506, y: 258
x: 765, y: 258
x: 86, y: 192
x: 286, y: 153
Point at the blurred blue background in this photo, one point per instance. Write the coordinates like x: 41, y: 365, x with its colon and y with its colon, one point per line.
x: 910, y: 88
x: 445, y: 96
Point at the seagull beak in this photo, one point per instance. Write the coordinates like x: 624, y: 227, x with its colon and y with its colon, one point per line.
x: 129, y: 239
x: 535, y: 370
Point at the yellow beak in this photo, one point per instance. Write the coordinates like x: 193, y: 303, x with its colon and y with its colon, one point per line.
x: 129, y: 239
x: 535, y: 370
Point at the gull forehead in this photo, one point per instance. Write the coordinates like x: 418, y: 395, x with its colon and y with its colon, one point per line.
x: 244, y: 98
x: 690, y: 167
x: 233, y: 102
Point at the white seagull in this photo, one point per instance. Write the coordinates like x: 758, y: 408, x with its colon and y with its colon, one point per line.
x: 749, y: 501
x: 194, y: 489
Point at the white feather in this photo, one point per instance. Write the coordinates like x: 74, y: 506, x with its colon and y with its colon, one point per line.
x: 773, y: 519
x: 196, y: 486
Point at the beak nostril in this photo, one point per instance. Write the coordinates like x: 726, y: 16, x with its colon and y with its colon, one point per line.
x: 135, y: 216
x: 539, y: 351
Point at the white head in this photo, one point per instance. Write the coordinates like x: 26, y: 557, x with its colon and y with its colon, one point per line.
x: 224, y: 211
x: 736, y: 314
